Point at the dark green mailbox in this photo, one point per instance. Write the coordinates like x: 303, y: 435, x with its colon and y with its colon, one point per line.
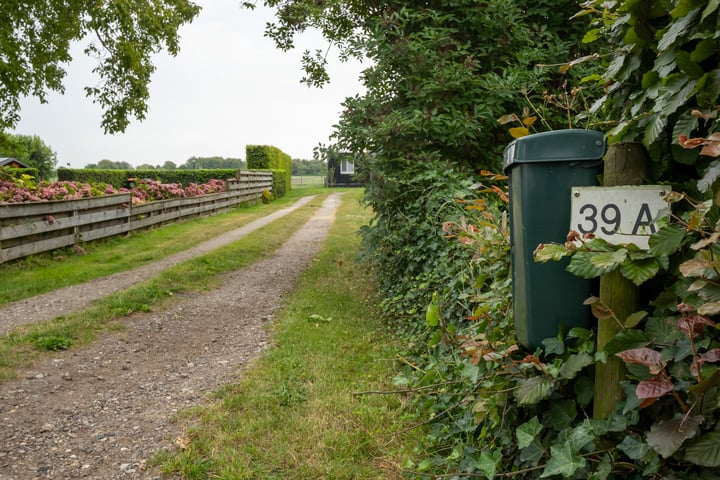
x: 542, y: 168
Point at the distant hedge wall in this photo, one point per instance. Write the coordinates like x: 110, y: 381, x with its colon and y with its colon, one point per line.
x: 265, y: 157
x: 119, y: 178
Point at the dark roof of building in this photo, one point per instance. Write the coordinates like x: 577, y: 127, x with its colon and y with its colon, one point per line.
x: 4, y: 161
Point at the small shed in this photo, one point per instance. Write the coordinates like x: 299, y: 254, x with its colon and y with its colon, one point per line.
x: 342, y: 170
x: 12, y: 162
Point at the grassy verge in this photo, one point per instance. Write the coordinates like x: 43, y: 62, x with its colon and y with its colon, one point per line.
x: 20, y: 348
x: 46, y: 272
x: 299, y: 411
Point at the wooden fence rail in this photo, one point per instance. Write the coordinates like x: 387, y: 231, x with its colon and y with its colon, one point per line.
x: 30, y: 228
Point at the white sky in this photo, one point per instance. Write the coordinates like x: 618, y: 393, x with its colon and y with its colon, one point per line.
x: 227, y: 88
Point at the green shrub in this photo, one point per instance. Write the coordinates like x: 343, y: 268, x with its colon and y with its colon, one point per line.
x: 265, y: 157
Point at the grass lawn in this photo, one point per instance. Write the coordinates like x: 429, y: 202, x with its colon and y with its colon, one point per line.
x: 300, y: 411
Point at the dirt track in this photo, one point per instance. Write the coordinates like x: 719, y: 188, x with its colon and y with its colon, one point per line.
x: 100, y: 412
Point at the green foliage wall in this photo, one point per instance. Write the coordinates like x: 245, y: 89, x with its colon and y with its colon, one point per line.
x: 30, y: 150
x: 662, y: 80
x: 119, y: 178
x: 265, y: 157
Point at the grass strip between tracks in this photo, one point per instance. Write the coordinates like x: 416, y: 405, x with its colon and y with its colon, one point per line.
x: 299, y: 412
x: 18, y: 349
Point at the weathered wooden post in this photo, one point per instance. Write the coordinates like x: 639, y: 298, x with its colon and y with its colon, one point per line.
x: 625, y: 164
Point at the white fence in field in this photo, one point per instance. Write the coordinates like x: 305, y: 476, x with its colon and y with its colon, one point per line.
x: 29, y: 228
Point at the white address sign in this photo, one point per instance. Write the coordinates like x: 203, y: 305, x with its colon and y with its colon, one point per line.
x: 627, y: 214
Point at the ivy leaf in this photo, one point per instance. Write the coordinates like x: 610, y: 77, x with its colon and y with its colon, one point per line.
x: 634, y: 448
x: 581, y: 435
x: 574, y: 364
x: 666, y: 436
x: 561, y: 414
x: 603, y: 469
x: 705, y: 450
x: 666, y: 241
x: 533, y: 453
x: 640, y: 271
x: 562, y: 462
x: 488, y: 462
x: 532, y: 390
x: 527, y: 432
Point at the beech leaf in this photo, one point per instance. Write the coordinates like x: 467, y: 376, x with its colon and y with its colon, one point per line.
x: 550, y: 251
x: 532, y: 390
x: 666, y: 241
x: 643, y: 356
x: 508, y: 118
x: 709, y: 308
x: 711, y: 356
x: 640, y: 271
x: 518, y: 132
x: 706, y: 241
x: 666, y: 436
x: 634, y: 319
x: 707, y: 384
x: 656, y: 387
x: 705, y: 450
x: 574, y: 365
x: 695, y: 267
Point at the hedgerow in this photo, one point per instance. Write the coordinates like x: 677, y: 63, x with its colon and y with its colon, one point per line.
x: 491, y: 409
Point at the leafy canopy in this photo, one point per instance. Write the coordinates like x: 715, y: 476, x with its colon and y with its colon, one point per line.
x: 121, y: 34
x: 30, y: 150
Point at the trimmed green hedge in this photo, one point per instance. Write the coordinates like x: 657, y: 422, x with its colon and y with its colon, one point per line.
x: 19, y: 172
x: 119, y: 178
x: 265, y: 157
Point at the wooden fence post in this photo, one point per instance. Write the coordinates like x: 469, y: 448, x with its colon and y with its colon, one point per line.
x: 625, y: 164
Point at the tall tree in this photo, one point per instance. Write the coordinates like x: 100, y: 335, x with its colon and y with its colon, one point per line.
x: 106, y: 164
x: 30, y: 150
x: 122, y: 35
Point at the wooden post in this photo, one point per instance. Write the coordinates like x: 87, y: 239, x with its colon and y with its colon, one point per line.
x: 625, y: 164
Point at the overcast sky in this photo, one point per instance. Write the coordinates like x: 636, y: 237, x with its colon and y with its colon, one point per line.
x: 227, y: 88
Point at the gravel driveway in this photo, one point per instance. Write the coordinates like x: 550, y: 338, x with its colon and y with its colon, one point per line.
x: 102, y: 411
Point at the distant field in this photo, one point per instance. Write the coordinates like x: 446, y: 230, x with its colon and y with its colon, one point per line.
x: 308, y: 181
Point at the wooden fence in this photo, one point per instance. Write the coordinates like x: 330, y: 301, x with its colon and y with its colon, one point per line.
x: 30, y: 228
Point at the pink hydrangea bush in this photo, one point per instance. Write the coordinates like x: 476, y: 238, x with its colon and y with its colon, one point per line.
x: 25, y: 189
